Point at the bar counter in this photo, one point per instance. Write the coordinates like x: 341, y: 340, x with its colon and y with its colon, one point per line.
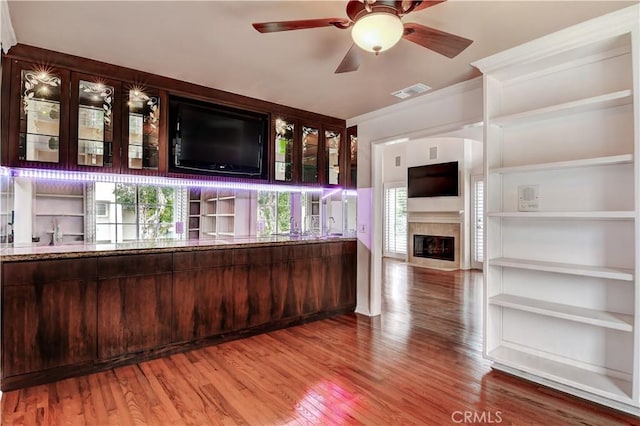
x: 78, y: 309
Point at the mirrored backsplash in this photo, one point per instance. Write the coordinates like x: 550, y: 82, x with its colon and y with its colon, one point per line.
x: 55, y: 212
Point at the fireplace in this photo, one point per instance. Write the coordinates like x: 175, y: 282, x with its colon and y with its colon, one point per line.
x: 434, y: 247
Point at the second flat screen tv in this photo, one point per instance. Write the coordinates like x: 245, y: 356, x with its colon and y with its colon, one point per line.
x: 433, y: 180
x: 212, y: 139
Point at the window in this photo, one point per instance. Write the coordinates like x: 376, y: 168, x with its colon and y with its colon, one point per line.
x: 395, y: 220
x: 274, y: 213
x: 478, y: 232
x: 136, y: 212
x: 102, y: 209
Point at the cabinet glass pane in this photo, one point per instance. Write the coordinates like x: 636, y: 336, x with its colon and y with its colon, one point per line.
x: 144, y: 122
x: 332, y: 142
x: 284, y: 150
x: 353, y: 163
x: 310, y: 154
x: 95, y: 124
x: 40, y: 117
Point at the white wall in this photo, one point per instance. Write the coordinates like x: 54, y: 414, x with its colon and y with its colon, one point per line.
x: 451, y: 111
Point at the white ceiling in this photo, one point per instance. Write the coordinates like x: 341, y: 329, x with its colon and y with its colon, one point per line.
x: 212, y: 43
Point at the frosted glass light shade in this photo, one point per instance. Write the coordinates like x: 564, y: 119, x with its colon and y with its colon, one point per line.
x: 377, y: 32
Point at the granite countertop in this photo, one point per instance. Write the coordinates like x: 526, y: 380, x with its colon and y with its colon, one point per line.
x: 32, y: 252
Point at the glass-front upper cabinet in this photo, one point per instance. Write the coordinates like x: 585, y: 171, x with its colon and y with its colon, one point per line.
x: 352, y: 157
x: 284, y: 144
x: 310, y: 151
x: 333, y: 148
x: 95, y: 121
x: 142, y: 129
x: 40, y: 107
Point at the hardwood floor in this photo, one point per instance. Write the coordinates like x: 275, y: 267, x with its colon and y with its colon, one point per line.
x: 418, y: 363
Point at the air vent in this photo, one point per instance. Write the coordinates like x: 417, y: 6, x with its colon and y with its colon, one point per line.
x: 407, y: 92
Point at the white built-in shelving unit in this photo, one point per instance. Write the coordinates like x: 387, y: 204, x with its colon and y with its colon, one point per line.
x: 562, y: 132
x: 212, y: 213
x: 61, y: 204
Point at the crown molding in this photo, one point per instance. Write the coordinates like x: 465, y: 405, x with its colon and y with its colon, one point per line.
x: 613, y: 24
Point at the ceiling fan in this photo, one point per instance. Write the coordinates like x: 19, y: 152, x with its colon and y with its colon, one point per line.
x: 377, y: 26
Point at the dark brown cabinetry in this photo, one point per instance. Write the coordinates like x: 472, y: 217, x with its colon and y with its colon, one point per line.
x: 309, y: 154
x: 134, y: 303
x: 67, y: 317
x: 48, y: 314
x: 77, y: 113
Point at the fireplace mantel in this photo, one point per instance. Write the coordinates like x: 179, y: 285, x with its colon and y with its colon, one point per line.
x: 436, y: 217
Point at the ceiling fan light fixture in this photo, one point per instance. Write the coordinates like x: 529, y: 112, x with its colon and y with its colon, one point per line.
x: 377, y: 32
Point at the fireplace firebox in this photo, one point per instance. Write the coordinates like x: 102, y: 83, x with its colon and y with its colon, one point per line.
x: 434, y: 247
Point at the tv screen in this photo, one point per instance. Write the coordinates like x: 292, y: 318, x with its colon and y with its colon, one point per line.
x: 208, y: 138
x: 433, y: 180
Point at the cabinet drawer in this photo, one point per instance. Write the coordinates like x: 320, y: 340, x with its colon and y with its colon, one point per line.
x: 134, y: 264
x: 201, y: 259
x: 48, y: 271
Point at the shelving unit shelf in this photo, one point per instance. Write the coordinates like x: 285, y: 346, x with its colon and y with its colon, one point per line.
x: 611, y: 320
x: 595, y: 215
x: 609, y: 100
x: 562, y: 202
x: 559, y: 165
x: 621, y: 274
x: 597, y: 383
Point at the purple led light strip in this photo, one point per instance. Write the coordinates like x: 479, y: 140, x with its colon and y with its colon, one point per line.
x: 149, y: 180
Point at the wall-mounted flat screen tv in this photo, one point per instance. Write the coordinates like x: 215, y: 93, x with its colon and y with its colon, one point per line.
x: 433, y: 180
x: 213, y: 139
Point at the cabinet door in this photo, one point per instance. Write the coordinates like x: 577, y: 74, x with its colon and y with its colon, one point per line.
x: 39, y: 114
x: 352, y: 157
x: 333, y: 152
x: 284, y: 143
x: 134, y: 303
x: 349, y: 280
x: 49, y: 314
x: 143, y: 139
x: 310, y: 154
x: 95, y: 123
x: 203, y: 294
x: 253, y: 293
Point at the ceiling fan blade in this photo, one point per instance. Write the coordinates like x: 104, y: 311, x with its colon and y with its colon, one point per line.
x: 425, y: 4
x: 351, y: 61
x: 449, y: 45
x: 272, y: 27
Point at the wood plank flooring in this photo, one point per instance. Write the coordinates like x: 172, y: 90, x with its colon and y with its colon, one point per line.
x: 418, y: 363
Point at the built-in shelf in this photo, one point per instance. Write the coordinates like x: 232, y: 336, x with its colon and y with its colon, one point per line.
x: 227, y: 197
x: 565, y: 268
x: 598, y: 318
x: 601, y: 215
x: 609, y: 100
x: 227, y: 234
x: 224, y: 214
x: 558, y: 165
x: 598, y: 383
